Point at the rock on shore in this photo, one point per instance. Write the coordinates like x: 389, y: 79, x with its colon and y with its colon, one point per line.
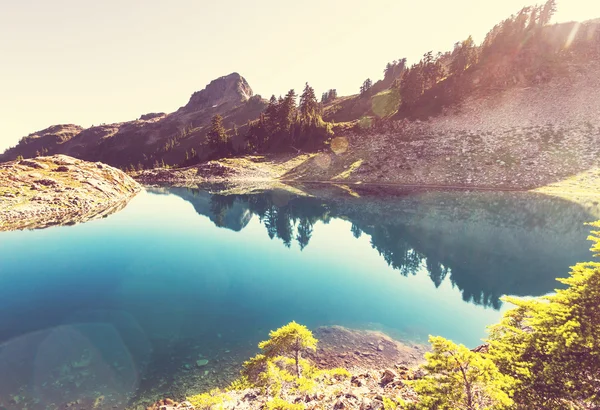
x: 58, y: 190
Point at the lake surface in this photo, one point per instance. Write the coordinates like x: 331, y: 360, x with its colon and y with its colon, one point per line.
x: 115, y: 312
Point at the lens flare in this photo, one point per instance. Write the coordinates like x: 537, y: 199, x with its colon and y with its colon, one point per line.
x: 572, y: 35
x: 339, y: 145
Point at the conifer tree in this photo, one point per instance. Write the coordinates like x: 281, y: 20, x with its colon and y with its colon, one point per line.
x: 309, y: 106
x: 460, y: 379
x: 366, y: 86
x: 329, y: 96
x: 287, y: 113
x: 290, y: 340
x: 465, y: 55
x: 272, y: 110
x: 547, y: 12
x: 412, y: 85
x: 432, y: 70
x: 217, y: 134
x: 388, y: 71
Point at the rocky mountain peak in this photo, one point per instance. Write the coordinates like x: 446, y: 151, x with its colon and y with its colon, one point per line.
x: 230, y: 89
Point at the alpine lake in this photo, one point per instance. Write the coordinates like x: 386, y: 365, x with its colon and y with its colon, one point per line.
x: 170, y: 295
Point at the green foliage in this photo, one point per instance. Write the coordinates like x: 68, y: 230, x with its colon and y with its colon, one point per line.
x: 280, y: 404
x: 19, y: 157
x: 305, y: 385
x: 544, y: 354
x: 419, y: 78
x: 309, y: 107
x: 392, y: 404
x: 241, y: 383
x: 460, y: 379
x: 211, y: 400
x: 283, y: 126
x: 551, y: 345
x: 253, y: 368
x: 276, y: 376
x: 287, y: 111
x: 280, y: 368
x: 217, y: 133
x: 291, y: 339
x: 394, y: 69
x: 217, y: 136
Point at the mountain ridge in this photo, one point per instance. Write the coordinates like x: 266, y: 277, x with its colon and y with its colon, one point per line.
x: 151, y: 137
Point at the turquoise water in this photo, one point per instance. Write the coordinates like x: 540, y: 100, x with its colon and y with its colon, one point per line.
x: 115, y: 312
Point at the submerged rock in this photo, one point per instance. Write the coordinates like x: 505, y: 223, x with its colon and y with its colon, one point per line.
x: 201, y: 362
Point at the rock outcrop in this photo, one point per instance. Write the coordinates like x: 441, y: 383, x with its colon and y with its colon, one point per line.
x: 57, y: 190
x: 231, y: 89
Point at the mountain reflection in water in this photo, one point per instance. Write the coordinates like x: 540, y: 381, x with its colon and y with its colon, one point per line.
x: 488, y: 244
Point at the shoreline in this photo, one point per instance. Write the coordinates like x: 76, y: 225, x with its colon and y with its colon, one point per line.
x: 546, y: 190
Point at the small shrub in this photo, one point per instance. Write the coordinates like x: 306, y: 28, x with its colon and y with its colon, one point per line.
x: 392, y: 404
x: 214, y: 399
x: 240, y: 383
x: 279, y: 404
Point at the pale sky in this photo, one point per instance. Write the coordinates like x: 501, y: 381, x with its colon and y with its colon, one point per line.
x: 89, y: 62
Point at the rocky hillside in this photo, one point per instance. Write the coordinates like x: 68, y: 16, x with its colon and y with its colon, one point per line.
x: 57, y: 190
x: 524, y: 137
x: 154, y: 137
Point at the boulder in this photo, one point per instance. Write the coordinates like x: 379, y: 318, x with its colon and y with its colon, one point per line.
x: 33, y: 164
x: 152, y: 115
x: 387, y: 377
x: 201, y: 362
